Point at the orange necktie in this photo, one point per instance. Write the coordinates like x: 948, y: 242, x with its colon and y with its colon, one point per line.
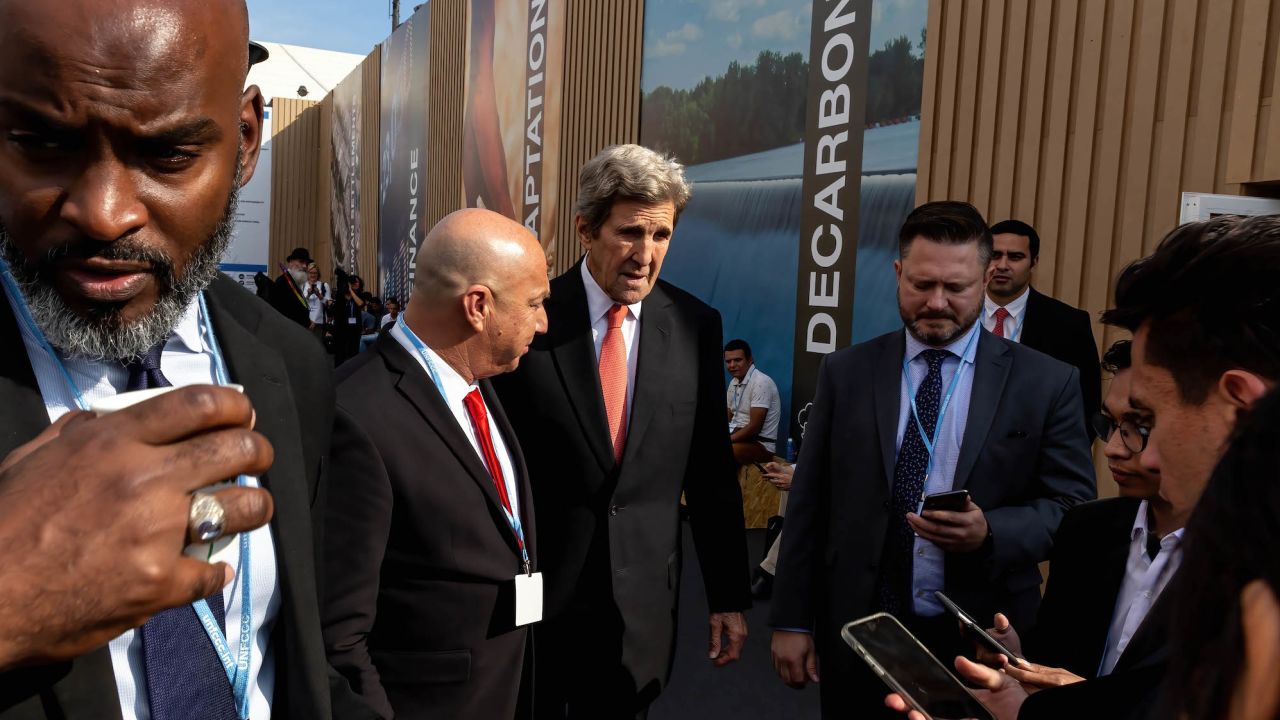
x: 613, y: 379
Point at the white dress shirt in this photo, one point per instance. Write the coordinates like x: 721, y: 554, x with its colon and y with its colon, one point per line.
x: 456, y: 390
x: 1144, y: 580
x: 598, y: 304
x: 186, y: 360
x: 1017, y: 314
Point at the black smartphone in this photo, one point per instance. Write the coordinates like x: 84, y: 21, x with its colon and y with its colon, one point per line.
x: 910, y: 670
x: 954, y: 500
x: 974, y: 629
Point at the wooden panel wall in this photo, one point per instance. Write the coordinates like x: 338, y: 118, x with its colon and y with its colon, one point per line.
x: 295, y: 177
x: 1088, y: 118
x: 322, y: 249
x: 601, y: 99
x: 370, y: 157
x: 446, y: 98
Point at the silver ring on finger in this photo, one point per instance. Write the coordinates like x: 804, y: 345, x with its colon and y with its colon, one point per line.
x: 207, y: 519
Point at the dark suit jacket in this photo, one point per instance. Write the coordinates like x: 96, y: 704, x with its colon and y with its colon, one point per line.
x: 1086, y: 570
x: 419, y: 558
x: 1024, y: 460
x: 1064, y: 332
x: 291, y: 385
x: 286, y: 302
x: 613, y: 530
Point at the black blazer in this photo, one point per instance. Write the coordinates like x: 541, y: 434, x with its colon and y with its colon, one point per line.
x: 613, y: 530
x: 1086, y: 570
x: 419, y: 558
x: 285, y: 301
x: 1064, y: 332
x: 1024, y: 460
x: 291, y: 385
x: 1084, y: 580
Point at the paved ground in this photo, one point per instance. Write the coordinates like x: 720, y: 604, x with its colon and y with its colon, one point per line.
x: 745, y: 690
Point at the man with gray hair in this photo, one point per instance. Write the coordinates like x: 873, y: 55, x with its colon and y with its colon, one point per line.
x: 620, y: 409
x: 429, y: 533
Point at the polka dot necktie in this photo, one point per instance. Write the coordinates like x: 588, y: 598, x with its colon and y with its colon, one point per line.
x: 909, y: 474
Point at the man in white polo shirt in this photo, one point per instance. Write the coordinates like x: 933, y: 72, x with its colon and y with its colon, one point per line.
x: 753, y: 406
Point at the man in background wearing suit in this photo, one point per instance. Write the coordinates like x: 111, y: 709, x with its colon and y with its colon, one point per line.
x: 429, y: 538
x: 128, y: 133
x: 619, y: 409
x: 941, y: 405
x: 1016, y: 311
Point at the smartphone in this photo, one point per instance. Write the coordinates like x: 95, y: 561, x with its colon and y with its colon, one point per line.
x: 910, y: 670
x: 954, y: 500
x: 974, y: 629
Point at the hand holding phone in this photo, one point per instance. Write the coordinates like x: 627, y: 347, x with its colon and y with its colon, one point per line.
x: 910, y: 670
x: 953, y: 501
x: 975, y: 631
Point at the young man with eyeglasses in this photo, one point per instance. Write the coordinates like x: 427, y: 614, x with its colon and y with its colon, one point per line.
x: 1111, y: 558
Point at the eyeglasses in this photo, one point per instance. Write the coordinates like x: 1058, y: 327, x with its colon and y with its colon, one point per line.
x: 1133, y: 435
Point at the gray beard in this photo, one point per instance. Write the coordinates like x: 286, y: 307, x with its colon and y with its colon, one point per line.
x: 102, y: 334
x: 299, y: 276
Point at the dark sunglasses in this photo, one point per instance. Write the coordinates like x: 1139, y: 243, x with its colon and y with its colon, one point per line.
x: 1132, y: 435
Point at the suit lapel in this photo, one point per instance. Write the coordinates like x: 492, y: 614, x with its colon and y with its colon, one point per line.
x: 888, y: 397
x: 416, y: 386
x: 990, y: 371
x: 25, y: 415
x: 654, y: 337
x: 517, y: 464
x: 574, y: 352
x: 1031, y: 320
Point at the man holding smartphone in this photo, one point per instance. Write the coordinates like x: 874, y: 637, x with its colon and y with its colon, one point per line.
x: 938, y: 406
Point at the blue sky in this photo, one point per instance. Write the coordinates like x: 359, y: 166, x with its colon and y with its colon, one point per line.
x: 688, y: 40
x: 353, y: 26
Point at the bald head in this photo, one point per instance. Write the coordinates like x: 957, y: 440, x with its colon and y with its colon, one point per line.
x: 475, y: 247
x: 127, y: 42
x: 128, y: 131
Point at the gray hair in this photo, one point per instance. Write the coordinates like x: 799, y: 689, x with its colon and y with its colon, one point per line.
x: 628, y: 172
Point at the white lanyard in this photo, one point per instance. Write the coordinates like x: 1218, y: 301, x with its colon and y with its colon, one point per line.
x: 237, y: 666
x: 512, y: 518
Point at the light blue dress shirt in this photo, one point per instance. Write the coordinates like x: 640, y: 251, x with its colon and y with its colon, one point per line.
x: 929, y: 561
x: 186, y: 360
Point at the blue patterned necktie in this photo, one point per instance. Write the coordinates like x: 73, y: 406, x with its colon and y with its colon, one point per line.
x: 894, y: 583
x: 185, y: 679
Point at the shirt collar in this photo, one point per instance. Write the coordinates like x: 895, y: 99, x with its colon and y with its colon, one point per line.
x: 187, y: 330
x: 957, y: 346
x: 598, y: 303
x: 454, y: 385
x: 1140, y: 528
x: 1015, y: 306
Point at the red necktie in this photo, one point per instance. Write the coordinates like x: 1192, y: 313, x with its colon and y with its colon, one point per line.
x: 613, y: 379
x: 1001, y: 314
x: 480, y: 424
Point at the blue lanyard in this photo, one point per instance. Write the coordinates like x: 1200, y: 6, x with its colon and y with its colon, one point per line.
x: 512, y: 519
x: 931, y: 443
x: 237, y: 666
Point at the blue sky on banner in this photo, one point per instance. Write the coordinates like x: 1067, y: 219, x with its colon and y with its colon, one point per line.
x: 353, y: 26
x: 688, y: 40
